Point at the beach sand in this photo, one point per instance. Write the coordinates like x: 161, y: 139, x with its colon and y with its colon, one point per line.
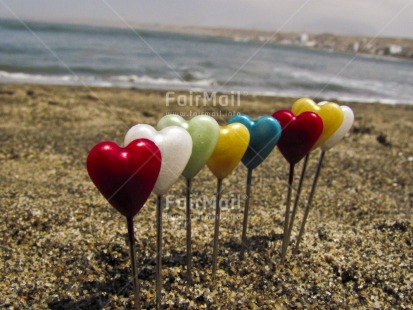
x: 63, y: 246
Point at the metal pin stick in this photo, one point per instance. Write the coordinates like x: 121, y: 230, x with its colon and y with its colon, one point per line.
x: 287, y: 213
x: 297, y: 198
x: 216, y: 230
x: 188, y: 232
x: 158, y: 252
x: 246, y: 208
x: 310, y: 199
x: 131, y: 237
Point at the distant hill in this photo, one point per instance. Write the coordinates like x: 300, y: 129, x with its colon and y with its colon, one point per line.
x: 381, y: 46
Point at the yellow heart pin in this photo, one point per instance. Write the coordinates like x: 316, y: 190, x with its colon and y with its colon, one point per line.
x: 330, y: 113
x: 232, y: 144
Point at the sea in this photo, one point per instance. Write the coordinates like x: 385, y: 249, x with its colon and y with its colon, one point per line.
x: 61, y: 54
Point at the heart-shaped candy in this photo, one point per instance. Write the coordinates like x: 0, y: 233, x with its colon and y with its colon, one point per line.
x: 125, y: 176
x: 175, y: 144
x: 204, y: 131
x: 342, y: 130
x: 232, y: 144
x: 264, y: 135
x: 299, y: 133
x: 330, y: 113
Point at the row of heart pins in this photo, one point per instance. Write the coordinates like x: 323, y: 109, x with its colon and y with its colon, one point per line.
x: 184, y: 147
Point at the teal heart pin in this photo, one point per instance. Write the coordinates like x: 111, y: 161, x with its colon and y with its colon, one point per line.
x: 264, y: 135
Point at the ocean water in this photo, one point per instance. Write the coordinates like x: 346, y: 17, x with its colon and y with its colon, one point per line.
x: 112, y: 57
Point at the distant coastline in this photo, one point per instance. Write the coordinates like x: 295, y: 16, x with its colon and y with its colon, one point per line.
x: 380, y: 46
x: 389, y: 47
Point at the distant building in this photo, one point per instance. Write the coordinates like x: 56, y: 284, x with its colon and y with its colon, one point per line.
x: 310, y: 43
x: 356, y: 47
x: 393, y: 49
x: 286, y: 42
x: 303, y: 38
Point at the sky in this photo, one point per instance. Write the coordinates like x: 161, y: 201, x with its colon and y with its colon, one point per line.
x: 359, y: 17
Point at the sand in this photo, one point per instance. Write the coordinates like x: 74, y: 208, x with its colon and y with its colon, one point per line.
x: 63, y: 246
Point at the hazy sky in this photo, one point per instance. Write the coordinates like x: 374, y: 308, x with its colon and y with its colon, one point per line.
x: 368, y: 17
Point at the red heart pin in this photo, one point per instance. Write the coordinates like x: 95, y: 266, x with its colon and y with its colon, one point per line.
x: 125, y: 176
x: 299, y: 133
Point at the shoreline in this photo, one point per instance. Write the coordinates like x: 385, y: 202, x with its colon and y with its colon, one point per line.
x: 197, y: 91
x: 64, y: 246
